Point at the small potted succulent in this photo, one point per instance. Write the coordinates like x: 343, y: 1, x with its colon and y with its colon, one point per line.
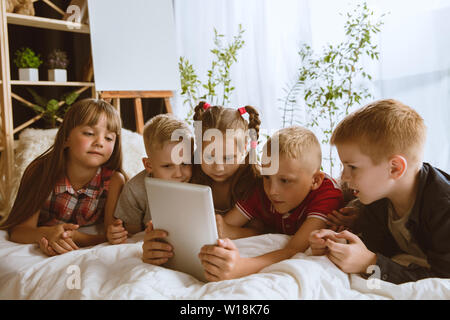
x: 28, y: 63
x: 57, y: 63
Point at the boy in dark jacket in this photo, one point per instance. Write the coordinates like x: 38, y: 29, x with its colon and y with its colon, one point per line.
x: 404, y: 225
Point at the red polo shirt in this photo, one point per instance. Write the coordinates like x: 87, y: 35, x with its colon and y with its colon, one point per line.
x: 317, y: 204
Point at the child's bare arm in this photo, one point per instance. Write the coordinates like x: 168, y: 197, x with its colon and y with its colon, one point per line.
x: 115, y: 187
x: 224, y: 262
x: 58, y: 237
x: 86, y: 240
x: 231, y: 225
x: 27, y: 231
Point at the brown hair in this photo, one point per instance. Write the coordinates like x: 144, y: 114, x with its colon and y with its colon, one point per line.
x: 382, y: 129
x: 43, y: 172
x: 221, y: 118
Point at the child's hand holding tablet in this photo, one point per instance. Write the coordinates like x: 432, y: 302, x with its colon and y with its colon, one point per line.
x: 183, y: 215
x: 155, y: 249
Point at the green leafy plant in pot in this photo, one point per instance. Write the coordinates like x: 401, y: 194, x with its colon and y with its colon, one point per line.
x: 52, y: 110
x: 28, y: 63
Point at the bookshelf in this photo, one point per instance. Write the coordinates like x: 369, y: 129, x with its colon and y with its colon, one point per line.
x: 10, y: 89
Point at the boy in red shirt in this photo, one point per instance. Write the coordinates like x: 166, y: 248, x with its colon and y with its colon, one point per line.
x: 295, y: 201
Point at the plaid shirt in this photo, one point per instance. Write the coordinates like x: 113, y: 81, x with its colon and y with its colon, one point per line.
x: 83, y: 207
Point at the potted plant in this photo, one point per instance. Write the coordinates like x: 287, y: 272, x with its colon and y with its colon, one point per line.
x: 57, y: 63
x: 28, y: 63
x: 329, y: 84
x: 52, y: 110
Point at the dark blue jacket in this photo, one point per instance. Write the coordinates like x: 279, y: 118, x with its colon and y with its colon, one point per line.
x: 429, y: 224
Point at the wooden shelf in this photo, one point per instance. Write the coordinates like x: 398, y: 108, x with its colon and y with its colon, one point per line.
x: 7, y: 130
x: 46, y: 23
x: 52, y: 83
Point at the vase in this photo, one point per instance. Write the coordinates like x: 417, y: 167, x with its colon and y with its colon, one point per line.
x: 57, y: 75
x: 28, y: 74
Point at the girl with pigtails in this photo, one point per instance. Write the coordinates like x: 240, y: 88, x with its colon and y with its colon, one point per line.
x: 225, y: 160
x: 228, y: 166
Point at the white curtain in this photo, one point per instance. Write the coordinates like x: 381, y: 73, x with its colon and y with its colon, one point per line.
x: 414, y: 65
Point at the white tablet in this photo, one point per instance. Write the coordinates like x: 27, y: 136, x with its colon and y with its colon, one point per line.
x: 186, y: 212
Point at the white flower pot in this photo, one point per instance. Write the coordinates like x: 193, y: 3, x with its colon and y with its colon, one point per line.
x: 28, y: 74
x: 58, y: 75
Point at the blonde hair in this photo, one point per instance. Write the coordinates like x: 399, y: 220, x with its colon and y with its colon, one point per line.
x: 44, y: 171
x: 298, y: 143
x: 159, y: 129
x: 382, y: 129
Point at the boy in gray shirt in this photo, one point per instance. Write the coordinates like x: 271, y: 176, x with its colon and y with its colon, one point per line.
x: 132, y: 211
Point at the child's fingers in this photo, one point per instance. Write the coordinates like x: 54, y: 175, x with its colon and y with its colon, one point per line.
x: 155, y: 234
x: 322, y: 233
x: 212, y: 269
x: 349, y: 210
x: 156, y: 262
x: 118, y: 241
x: 149, y: 226
x: 336, y: 216
x: 43, y: 246
x: 64, y: 244
x: 156, y: 245
x: 116, y: 228
x: 333, y: 221
x: 70, y: 226
x: 213, y: 263
x: 347, y: 235
x: 226, y: 244
x: 338, y: 249
x: 208, y: 252
x: 157, y: 254
x: 72, y: 244
x: 57, y: 248
x: 117, y: 235
x: 333, y: 258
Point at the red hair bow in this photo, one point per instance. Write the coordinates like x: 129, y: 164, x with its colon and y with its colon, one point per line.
x: 242, y: 110
x: 206, y: 106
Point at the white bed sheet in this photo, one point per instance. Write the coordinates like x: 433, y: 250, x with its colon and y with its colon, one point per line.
x: 117, y: 272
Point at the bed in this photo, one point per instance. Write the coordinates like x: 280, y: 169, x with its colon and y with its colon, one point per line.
x: 117, y: 271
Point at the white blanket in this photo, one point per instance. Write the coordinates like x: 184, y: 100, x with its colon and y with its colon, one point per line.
x: 117, y: 272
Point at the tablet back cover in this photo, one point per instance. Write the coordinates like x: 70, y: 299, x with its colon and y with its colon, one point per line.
x: 186, y: 212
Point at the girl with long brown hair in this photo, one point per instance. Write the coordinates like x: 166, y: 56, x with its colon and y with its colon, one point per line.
x: 72, y: 183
